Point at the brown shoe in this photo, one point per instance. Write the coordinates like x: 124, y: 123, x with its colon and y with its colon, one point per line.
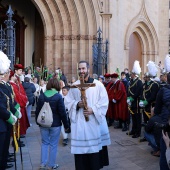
x: 156, y: 153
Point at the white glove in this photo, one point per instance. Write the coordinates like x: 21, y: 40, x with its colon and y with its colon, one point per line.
x: 14, y: 119
x: 114, y: 101
x: 141, y: 104
x: 129, y: 102
x: 27, y: 104
x: 20, y: 114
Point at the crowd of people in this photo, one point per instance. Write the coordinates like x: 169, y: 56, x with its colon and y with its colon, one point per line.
x: 141, y: 103
x: 89, y: 104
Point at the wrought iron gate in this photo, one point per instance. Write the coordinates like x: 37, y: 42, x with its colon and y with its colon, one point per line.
x: 7, y: 37
x: 100, y: 55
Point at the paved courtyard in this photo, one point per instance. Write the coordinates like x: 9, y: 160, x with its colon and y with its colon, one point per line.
x: 125, y: 153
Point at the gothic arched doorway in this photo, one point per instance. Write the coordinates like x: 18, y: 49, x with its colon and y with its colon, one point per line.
x: 135, y: 50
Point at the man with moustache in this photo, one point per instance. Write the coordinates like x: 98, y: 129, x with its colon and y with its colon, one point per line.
x: 89, y: 139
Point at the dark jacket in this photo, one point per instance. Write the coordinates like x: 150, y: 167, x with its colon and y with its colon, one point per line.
x: 29, y: 89
x: 64, y: 79
x: 4, y: 113
x: 153, y: 129
x: 162, y: 105
x: 149, y: 92
x: 126, y: 84
x: 7, y: 89
x: 134, y: 91
x: 57, y: 107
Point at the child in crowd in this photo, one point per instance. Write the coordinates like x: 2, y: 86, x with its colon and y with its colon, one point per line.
x: 65, y: 90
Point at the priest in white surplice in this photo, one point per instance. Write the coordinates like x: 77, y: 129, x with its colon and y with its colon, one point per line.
x: 89, y: 139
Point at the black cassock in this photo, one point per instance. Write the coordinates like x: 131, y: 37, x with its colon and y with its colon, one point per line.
x: 92, y: 161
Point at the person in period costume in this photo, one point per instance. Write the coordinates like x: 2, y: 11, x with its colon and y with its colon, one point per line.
x: 117, y: 94
x: 149, y: 92
x: 164, y: 71
x: 89, y: 139
x: 7, y: 111
x: 134, y: 92
x: 20, y: 97
x: 6, y: 119
x: 109, y: 85
x: 107, y: 79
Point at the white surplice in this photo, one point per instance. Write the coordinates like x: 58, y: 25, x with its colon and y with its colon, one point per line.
x: 90, y: 136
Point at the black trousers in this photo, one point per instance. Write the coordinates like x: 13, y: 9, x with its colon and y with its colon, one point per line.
x: 136, y: 123
x: 3, y: 161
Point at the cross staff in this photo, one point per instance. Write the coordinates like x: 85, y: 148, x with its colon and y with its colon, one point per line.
x: 83, y: 87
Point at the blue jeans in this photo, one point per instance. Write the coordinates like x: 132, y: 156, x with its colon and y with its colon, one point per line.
x: 49, y: 137
x: 150, y: 138
x: 29, y: 107
x: 162, y: 162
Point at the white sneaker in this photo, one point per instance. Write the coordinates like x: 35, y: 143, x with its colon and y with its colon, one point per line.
x: 42, y: 167
x: 54, y: 167
x: 30, y: 124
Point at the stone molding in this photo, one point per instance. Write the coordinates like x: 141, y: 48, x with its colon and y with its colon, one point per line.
x: 71, y: 37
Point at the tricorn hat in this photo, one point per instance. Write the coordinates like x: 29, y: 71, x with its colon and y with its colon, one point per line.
x: 18, y: 66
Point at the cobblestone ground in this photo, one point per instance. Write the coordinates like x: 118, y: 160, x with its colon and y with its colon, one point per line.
x: 125, y: 153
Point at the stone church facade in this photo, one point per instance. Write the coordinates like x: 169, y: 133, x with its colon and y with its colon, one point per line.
x: 60, y: 33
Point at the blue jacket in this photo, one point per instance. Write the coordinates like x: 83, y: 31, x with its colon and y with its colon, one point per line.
x: 29, y: 89
x: 57, y: 107
x: 162, y: 105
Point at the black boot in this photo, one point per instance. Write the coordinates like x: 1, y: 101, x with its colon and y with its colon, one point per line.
x: 109, y: 122
x: 119, y: 126
x: 20, y: 144
x: 124, y: 127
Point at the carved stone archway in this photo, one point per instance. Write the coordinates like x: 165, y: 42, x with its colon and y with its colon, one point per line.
x: 69, y: 31
x: 144, y: 29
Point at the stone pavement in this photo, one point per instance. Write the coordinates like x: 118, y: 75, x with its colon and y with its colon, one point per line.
x: 125, y: 153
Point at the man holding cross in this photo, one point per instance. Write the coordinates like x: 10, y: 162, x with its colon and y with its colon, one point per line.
x: 89, y: 131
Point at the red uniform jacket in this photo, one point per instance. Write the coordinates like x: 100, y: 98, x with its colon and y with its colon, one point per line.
x: 118, y: 110
x: 21, y: 99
